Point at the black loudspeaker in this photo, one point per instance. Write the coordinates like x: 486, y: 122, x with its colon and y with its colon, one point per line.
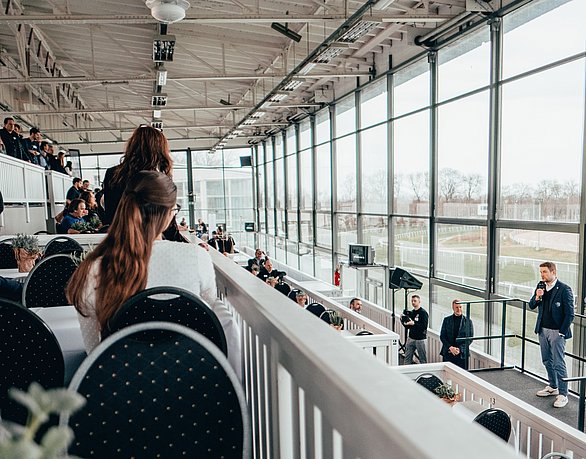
x: 245, y: 161
x: 399, y: 278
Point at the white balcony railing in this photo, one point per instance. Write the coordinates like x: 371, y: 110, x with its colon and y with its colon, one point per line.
x: 313, y: 394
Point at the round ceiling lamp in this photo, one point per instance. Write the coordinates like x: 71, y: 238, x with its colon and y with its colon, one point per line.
x: 168, y: 11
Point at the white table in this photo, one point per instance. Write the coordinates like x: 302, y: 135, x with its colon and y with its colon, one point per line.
x: 62, y: 320
x: 13, y: 273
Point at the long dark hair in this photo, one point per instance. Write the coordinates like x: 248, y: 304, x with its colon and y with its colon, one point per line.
x: 146, y: 150
x: 142, y: 215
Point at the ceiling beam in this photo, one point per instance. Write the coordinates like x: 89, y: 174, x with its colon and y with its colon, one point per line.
x: 165, y: 127
x: 147, y: 78
x: 64, y: 19
x: 150, y: 109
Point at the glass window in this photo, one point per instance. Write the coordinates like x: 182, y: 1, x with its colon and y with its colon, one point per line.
x: 323, y: 265
x: 89, y: 161
x: 346, y: 115
x: 106, y: 161
x: 291, y: 140
x: 322, y: 126
x: 373, y: 103
x: 465, y: 65
x: 232, y: 156
x: 260, y: 154
x: 271, y: 221
x: 520, y: 252
x: 346, y: 231
x: 411, y: 88
x: 525, y: 27
x: 260, y: 176
x: 346, y: 173
x: 281, y: 228
x: 279, y: 146
x: 411, y: 163
x: 269, y: 150
x: 270, y: 185
x: 306, y: 225
x: 306, y: 259
x: 375, y: 234
x: 463, y: 157
x: 305, y: 180
x: 323, y: 229
x: 292, y: 188
x: 305, y: 134
x: 292, y: 254
x: 411, y: 244
x: 374, y: 161
x: 280, y: 183
x: 280, y: 252
x: 323, y: 177
x: 292, y: 226
x: 542, y: 135
x: 461, y: 254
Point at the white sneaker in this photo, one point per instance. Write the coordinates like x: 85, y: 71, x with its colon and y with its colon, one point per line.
x: 547, y: 391
x: 560, y: 401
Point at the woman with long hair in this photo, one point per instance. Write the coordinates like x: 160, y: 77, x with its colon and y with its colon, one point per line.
x: 147, y: 149
x: 90, y: 204
x: 133, y: 257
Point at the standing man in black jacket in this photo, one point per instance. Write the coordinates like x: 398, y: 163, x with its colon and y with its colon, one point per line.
x: 417, y: 331
x: 555, y: 303
x: 454, y: 327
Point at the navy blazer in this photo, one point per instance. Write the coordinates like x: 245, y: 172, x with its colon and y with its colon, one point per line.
x: 466, y: 330
x: 562, y: 308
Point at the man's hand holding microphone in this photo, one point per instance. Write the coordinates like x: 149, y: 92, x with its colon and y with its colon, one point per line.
x: 539, y: 291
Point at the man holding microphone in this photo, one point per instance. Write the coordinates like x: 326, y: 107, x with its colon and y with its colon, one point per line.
x: 555, y: 303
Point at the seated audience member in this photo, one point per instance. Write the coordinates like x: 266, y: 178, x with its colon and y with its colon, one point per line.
x: 333, y: 319
x: 10, y: 289
x: 133, y: 257
x: 267, y: 270
x: 272, y: 281
x: 225, y: 242
x: 73, y: 192
x: 183, y: 225
x: 356, y: 305
x: 202, y: 228
x: 255, y: 270
x: 75, y: 213
x: 213, y: 241
x: 301, y: 298
x: 85, y: 185
x: 259, y: 258
x: 69, y: 168
x: 60, y: 163
x: 90, y: 204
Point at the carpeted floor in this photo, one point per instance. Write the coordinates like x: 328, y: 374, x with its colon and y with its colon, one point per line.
x: 524, y: 387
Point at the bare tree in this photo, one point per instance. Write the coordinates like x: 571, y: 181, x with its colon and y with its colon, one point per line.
x: 471, y: 184
x: 449, y: 183
x: 419, y: 182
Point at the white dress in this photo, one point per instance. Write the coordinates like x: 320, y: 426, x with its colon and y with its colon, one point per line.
x: 172, y: 264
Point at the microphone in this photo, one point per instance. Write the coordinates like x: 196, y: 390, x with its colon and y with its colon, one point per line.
x: 540, y: 285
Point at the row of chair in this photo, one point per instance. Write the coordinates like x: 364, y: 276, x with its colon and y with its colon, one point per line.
x: 179, y: 378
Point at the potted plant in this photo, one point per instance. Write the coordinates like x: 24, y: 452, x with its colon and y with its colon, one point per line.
x: 17, y: 442
x: 26, y: 251
x: 447, y: 393
x: 333, y: 318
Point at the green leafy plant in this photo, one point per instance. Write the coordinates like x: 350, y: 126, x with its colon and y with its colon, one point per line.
x: 95, y: 222
x: 26, y: 242
x: 446, y: 391
x: 334, y: 319
x: 17, y: 442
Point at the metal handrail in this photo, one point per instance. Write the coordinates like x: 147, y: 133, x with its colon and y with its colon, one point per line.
x: 581, y: 401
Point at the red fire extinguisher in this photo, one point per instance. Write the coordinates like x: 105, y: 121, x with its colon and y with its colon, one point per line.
x: 337, y: 277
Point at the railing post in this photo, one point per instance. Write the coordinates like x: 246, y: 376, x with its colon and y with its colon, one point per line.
x: 582, y: 405
x: 503, y: 333
x: 523, y: 333
x: 468, y: 341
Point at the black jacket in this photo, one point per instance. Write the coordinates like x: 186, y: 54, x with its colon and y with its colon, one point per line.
x: 447, y: 332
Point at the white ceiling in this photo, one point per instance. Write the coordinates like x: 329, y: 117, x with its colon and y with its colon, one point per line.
x: 82, y: 71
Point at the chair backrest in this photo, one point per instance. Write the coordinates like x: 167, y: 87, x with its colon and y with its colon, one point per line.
x: 497, y: 421
x: 46, y: 283
x: 62, y: 244
x: 169, y: 304
x: 7, y: 257
x: 293, y: 294
x: 429, y: 381
x: 189, y: 404
x: 29, y: 352
x: 315, y: 308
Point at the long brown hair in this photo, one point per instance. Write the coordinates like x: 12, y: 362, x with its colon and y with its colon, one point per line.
x: 146, y: 150
x: 143, y: 214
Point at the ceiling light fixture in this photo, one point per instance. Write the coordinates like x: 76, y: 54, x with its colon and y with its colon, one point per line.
x: 163, y: 48
x: 157, y: 113
x: 285, y: 30
x: 157, y: 124
x: 161, y: 75
x: 168, y: 11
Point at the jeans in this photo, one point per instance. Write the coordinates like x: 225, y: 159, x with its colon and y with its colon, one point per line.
x: 552, y: 355
x: 410, y: 347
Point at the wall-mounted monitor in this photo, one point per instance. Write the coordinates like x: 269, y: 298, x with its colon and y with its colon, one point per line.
x: 360, y: 254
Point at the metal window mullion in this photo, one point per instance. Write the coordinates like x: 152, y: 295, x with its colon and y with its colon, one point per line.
x: 390, y: 184
x: 358, y: 157
x: 313, y: 189
x: 190, y: 193
x: 333, y: 186
x: 433, y: 164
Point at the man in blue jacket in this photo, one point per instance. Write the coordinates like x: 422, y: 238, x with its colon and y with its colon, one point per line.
x: 555, y: 303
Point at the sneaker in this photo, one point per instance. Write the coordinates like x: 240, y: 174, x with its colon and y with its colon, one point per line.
x: 547, y: 391
x: 560, y: 401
